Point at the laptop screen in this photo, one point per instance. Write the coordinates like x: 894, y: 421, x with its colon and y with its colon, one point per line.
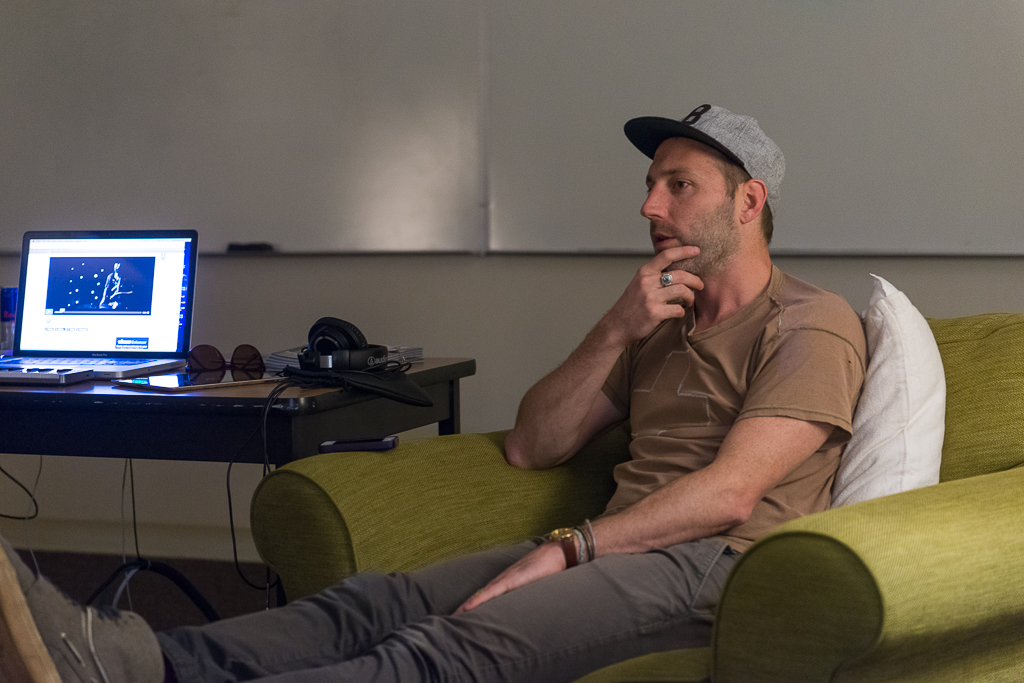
x: 106, y: 294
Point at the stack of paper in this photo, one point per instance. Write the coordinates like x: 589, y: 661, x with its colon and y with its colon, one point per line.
x: 276, y: 361
x: 405, y: 354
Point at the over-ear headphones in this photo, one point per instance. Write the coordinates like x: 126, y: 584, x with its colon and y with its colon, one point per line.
x: 335, y: 344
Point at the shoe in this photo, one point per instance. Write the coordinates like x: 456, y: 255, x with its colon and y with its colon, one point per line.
x: 45, y: 637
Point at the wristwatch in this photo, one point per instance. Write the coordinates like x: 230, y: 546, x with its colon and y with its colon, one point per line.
x: 567, y: 539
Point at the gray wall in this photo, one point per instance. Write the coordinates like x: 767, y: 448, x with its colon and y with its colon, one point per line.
x: 315, y: 125
x: 519, y: 316
x: 467, y: 125
x: 899, y: 120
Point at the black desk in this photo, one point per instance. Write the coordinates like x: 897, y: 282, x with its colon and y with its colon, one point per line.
x: 98, y: 419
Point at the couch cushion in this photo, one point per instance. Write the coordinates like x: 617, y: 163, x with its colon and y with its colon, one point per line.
x: 983, y: 357
x: 897, y: 430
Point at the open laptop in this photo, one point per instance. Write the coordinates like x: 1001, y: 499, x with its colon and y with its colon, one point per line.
x: 118, y: 303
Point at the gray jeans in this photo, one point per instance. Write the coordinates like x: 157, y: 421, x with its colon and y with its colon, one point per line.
x: 399, y: 627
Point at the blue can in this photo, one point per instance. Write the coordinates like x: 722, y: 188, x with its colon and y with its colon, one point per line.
x: 8, y: 304
x: 8, y: 313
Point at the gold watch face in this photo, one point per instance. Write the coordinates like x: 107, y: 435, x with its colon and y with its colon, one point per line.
x: 559, y: 534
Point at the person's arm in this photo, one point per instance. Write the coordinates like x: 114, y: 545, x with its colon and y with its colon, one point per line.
x: 564, y: 410
x: 755, y: 455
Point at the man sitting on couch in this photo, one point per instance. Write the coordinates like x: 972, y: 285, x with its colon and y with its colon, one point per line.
x: 739, y: 383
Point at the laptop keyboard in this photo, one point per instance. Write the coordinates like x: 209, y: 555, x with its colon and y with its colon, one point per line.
x: 59, y: 362
x: 44, y: 376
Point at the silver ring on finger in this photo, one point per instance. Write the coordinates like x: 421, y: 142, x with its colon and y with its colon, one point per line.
x: 666, y: 279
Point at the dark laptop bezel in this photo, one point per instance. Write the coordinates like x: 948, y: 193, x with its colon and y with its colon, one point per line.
x: 186, y: 329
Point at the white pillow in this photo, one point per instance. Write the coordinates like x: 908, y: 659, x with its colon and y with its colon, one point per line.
x: 901, y: 416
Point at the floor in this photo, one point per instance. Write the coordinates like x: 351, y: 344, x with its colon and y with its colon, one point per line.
x: 152, y: 595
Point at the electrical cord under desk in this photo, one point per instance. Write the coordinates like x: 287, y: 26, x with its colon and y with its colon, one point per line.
x: 176, y: 577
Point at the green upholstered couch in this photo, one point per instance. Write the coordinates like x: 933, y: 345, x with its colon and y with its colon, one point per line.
x: 926, y: 585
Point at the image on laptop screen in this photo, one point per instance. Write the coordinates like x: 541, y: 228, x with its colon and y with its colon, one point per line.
x: 114, y: 294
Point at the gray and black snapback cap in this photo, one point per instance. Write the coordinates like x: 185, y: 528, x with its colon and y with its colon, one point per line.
x: 738, y: 137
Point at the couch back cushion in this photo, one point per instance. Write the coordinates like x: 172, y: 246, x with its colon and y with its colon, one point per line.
x: 983, y: 357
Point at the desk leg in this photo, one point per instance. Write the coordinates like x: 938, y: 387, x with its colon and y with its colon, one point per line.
x: 453, y: 425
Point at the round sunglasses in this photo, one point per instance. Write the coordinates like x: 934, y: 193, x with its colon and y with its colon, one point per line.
x: 246, y: 361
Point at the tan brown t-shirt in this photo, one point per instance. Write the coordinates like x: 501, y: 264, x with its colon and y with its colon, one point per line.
x: 796, y: 351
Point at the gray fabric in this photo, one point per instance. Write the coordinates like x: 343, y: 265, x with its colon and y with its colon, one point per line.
x: 397, y: 627
x: 739, y: 137
x: 26, y: 577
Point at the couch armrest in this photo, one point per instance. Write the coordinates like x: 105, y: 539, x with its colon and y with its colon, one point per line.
x: 319, y: 519
x: 924, y: 585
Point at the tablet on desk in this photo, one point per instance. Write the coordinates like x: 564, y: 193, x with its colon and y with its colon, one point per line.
x: 190, y: 381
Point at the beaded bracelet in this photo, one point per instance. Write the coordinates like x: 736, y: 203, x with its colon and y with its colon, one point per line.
x: 582, y: 549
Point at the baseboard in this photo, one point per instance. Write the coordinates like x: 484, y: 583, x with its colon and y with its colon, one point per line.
x: 111, y: 538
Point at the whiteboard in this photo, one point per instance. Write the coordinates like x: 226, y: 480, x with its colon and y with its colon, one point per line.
x: 346, y: 126
x: 311, y: 125
x: 901, y: 122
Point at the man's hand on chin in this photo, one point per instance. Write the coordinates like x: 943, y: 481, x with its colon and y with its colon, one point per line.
x: 652, y: 296
x: 544, y: 560
x: 684, y: 267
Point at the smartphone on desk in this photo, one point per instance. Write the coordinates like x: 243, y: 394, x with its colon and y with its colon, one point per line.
x: 345, y: 445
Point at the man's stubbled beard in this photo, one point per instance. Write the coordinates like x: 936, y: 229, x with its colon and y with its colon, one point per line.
x: 714, y: 234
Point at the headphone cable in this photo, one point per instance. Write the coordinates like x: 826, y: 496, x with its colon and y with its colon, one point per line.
x: 31, y: 497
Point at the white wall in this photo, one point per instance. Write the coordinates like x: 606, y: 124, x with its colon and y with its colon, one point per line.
x: 329, y: 126
x: 519, y: 316
x: 899, y: 120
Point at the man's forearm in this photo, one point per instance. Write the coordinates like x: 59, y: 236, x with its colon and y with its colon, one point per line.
x: 552, y: 416
x: 755, y: 455
x: 692, y: 507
